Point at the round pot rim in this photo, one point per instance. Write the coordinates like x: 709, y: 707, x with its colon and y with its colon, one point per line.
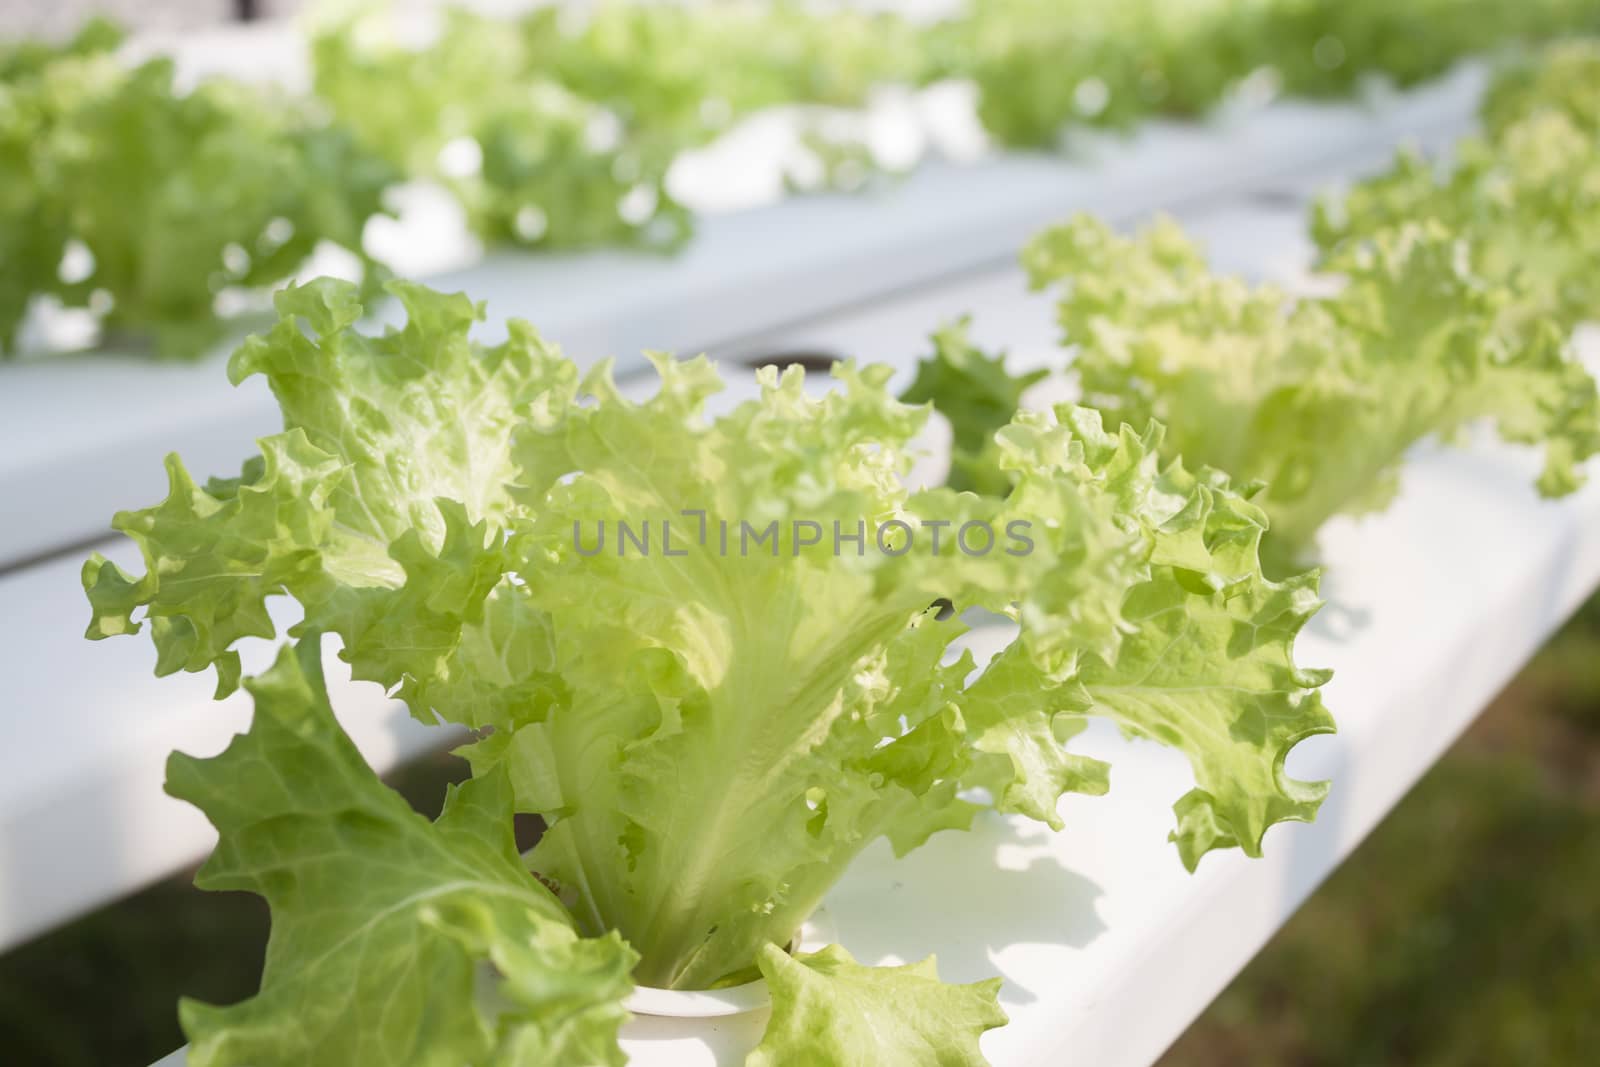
x: 817, y: 932
x: 699, y: 1003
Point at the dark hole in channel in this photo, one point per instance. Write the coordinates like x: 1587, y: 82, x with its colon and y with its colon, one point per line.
x: 811, y: 361
x: 1283, y: 198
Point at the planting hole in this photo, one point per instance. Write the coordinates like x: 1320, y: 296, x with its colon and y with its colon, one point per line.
x: 812, y: 361
x: 1277, y: 198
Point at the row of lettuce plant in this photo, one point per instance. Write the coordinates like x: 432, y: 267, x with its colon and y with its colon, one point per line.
x: 1043, y: 67
x: 123, y: 195
x: 713, y: 724
x: 1459, y: 285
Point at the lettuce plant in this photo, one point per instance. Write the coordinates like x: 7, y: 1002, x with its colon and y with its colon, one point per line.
x: 713, y: 712
x: 33, y: 235
x: 1527, y: 206
x: 1327, y: 47
x: 1562, y: 77
x: 1319, y: 398
x: 531, y: 161
x: 557, y: 129
x: 1043, y: 68
x: 1458, y: 288
x: 1525, y: 196
x: 121, y: 194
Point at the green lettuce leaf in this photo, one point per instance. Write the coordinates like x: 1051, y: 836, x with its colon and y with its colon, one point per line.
x: 978, y: 395
x: 830, y: 1011
x: 1207, y: 654
x: 394, y: 940
x: 1193, y: 673
x: 374, y: 508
